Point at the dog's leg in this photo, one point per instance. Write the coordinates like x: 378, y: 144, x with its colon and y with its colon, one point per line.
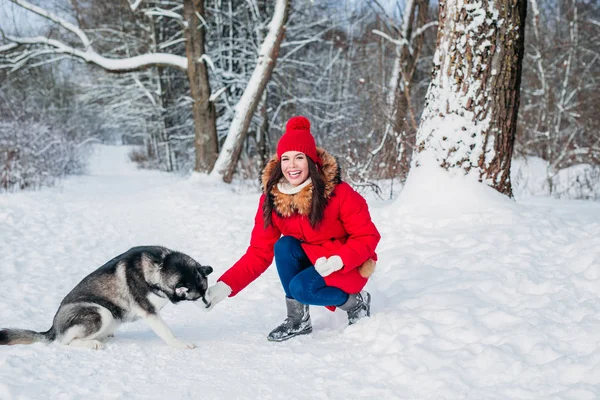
x: 109, y: 324
x: 162, y: 330
x: 73, y: 337
x: 82, y: 324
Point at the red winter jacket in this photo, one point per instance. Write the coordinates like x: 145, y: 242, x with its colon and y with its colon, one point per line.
x: 346, y: 230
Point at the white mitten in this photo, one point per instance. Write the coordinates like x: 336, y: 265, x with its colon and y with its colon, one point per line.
x: 326, y: 266
x: 216, y: 293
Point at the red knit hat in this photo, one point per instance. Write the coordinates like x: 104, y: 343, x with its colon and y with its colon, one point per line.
x: 297, y: 137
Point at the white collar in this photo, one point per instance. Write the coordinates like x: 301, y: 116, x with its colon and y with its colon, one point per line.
x: 287, y: 188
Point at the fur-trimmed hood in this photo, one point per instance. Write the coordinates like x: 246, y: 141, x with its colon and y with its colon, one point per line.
x: 287, y: 204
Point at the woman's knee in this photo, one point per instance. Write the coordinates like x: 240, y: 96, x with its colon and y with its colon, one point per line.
x: 303, y: 287
x: 285, y: 245
x: 299, y: 290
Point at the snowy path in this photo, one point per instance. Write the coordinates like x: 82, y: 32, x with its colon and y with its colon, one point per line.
x: 492, y: 301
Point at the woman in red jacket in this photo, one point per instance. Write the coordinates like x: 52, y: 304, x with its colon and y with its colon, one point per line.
x: 318, y: 229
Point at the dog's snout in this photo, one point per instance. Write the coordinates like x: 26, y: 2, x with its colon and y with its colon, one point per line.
x: 206, y: 269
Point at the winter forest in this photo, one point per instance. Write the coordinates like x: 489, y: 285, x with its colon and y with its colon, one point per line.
x: 208, y: 85
x: 468, y: 139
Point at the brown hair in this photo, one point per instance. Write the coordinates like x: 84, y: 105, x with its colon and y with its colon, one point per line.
x: 318, y: 201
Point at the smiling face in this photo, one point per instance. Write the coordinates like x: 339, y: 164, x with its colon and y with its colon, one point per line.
x: 294, y: 166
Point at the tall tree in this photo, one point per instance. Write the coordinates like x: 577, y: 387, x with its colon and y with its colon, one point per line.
x: 203, y: 109
x: 470, y: 119
x: 267, y: 56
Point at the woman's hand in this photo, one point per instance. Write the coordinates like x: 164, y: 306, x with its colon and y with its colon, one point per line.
x: 216, y: 293
x: 326, y: 266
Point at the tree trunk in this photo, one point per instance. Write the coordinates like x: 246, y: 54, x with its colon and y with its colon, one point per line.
x: 470, y: 118
x: 262, y: 142
x: 400, y: 124
x: 244, y: 110
x: 160, y: 99
x: 203, y: 110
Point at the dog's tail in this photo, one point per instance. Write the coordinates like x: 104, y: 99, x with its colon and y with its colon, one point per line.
x: 24, y: 336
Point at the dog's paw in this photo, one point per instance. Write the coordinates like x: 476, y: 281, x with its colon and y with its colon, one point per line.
x: 86, y: 344
x: 180, y: 344
x: 96, y: 344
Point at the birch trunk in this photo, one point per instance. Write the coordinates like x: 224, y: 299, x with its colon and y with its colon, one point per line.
x: 244, y: 110
x: 470, y: 118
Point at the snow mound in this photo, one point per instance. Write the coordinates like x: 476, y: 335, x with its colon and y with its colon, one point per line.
x: 430, y: 189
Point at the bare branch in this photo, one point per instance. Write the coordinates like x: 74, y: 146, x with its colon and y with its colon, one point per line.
x: 398, y: 42
x: 159, y: 12
x: 423, y: 29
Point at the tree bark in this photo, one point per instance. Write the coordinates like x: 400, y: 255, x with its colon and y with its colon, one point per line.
x: 203, y: 109
x: 245, y: 108
x: 262, y: 132
x: 470, y: 118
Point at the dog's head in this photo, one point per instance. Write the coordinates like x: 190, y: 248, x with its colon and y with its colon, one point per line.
x: 185, y: 278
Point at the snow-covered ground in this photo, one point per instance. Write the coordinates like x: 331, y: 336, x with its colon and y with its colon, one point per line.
x: 530, y: 177
x: 475, y: 296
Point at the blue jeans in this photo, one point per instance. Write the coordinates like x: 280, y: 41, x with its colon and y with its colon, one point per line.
x: 300, y: 279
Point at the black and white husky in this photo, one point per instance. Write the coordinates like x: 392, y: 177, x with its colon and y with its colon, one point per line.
x: 133, y: 285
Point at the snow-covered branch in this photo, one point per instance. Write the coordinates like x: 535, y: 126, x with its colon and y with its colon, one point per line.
x: 109, y: 64
x: 398, y: 42
x: 215, y: 95
x: 56, y: 19
x: 593, y: 21
x: 8, y: 47
x: 159, y: 12
x: 87, y: 54
x: 421, y: 30
x: 134, y: 6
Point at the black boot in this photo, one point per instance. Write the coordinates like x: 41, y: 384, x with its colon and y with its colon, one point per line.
x: 296, y: 323
x: 357, y: 306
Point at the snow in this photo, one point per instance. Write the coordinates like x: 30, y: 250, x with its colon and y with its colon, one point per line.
x: 530, y: 177
x: 475, y: 296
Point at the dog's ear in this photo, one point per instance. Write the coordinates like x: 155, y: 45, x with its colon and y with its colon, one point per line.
x: 205, y: 270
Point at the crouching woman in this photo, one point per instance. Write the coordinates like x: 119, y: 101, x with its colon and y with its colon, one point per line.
x: 318, y: 229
